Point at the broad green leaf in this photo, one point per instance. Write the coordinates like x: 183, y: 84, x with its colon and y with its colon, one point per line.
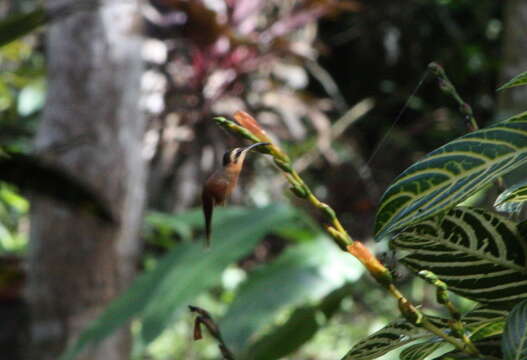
x: 184, y: 223
x: 160, y: 295
x: 18, y: 25
x: 478, y: 254
x: 451, y: 173
x: 516, y: 194
x: 300, y: 327
x: 518, y: 80
x: 514, y: 342
x: 302, y: 274
x: 394, y: 335
x: 420, y: 351
x: 53, y: 182
x: 485, y: 321
x: 201, y: 269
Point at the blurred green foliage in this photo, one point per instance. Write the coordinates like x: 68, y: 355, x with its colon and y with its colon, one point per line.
x: 268, y: 309
x: 13, y: 220
x: 305, y: 277
x: 22, y: 92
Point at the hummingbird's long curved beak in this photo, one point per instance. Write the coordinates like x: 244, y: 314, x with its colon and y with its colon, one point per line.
x: 252, y: 146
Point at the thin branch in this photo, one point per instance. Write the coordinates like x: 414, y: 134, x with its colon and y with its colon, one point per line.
x: 206, y: 320
x: 448, y: 88
x: 335, y: 229
x: 456, y: 325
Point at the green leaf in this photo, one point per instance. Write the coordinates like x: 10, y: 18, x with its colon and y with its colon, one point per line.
x: 18, y: 25
x: 489, y: 329
x: 303, y: 273
x: 300, y: 327
x: 396, y: 334
x: 420, y: 351
x: 451, y: 173
x: 31, y: 97
x: 485, y: 313
x: 53, y: 182
x: 490, y: 347
x: 514, y: 194
x: 478, y: 254
x: 518, y: 80
x: 160, y: 295
x: 182, y: 224
x: 485, y: 321
x: 514, y: 342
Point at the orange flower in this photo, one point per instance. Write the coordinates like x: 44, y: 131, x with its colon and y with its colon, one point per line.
x: 374, y: 266
x: 250, y: 123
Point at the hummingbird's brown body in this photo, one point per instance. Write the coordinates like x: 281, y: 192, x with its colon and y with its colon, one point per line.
x: 222, y: 182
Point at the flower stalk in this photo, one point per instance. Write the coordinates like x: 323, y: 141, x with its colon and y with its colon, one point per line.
x: 456, y: 325
x: 448, y: 88
x: 249, y: 129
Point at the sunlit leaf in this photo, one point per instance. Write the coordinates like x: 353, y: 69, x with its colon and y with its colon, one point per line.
x: 420, y: 351
x: 200, y: 269
x: 160, y: 295
x: 480, y: 255
x: 452, y: 173
x: 485, y: 321
x: 514, y: 342
x: 514, y: 196
x: 300, y: 327
x: 394, y: 335
x: 302, y: 274
x: 31, y: 97
x: 518, y: 80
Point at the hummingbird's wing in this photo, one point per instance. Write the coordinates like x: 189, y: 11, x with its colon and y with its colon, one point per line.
x: 207, y: 201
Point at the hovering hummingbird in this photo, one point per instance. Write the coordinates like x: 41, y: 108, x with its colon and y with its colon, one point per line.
x: 222, y: 182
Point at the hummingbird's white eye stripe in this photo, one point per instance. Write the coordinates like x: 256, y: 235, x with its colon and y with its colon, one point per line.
x: 236, y: 154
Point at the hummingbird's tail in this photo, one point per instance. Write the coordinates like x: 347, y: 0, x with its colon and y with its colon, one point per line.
x: 208, y: 207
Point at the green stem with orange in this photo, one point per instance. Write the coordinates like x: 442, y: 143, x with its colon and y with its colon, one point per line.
x: 253, y: 132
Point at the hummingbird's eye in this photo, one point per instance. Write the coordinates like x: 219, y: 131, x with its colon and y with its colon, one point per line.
x: 226, y: 158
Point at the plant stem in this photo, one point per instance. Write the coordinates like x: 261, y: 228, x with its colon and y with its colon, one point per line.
x: 448, y: 88
x: 206, y: 320
x: 341, y: 237
x: 456, y: 325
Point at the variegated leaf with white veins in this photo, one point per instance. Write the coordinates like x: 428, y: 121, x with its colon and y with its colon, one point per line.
x: 478, y: 254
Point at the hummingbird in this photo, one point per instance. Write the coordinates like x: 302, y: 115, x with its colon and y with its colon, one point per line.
x: 222, y: 182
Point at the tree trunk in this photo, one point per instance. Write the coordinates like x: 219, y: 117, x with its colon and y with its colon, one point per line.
x: 512, y: 101
x: 92, y: 120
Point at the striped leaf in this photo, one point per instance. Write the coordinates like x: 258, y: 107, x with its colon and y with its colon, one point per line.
x: 450, y: 174
x: 514, y: 342
x: 518, y: 80
x: 489, y: 347
x: 485, y: 313
x: 515, y: 195
x: 484, y: 322
x: 420, y: 351
x: 394, y: 335
x: 478, y: 254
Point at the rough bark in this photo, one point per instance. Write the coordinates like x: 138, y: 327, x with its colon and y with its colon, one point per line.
x: 513, y: 101
x: 77, y: 264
